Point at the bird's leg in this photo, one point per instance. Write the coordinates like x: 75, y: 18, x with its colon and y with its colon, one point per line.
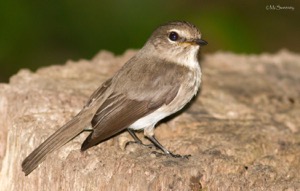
x: 136, y: 139
x: 166, y: 151
x: 149, y: 133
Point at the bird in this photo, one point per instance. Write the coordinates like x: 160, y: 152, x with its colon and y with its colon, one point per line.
x: 158, y: 81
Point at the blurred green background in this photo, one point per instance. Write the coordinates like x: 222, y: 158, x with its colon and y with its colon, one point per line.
x: 39, y: 33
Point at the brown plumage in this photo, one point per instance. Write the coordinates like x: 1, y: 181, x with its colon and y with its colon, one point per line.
x: 158, y: 81
x: 127, y: 104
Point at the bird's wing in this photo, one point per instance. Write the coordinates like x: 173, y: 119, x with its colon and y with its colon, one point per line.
x: 136, y: 94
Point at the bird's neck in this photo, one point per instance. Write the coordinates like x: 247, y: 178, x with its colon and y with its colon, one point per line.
x: 188, y: 59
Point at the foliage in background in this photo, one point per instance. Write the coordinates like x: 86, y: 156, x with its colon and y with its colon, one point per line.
x: 39, y: 33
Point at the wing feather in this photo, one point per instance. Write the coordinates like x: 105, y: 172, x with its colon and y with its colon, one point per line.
x: 139, y: 89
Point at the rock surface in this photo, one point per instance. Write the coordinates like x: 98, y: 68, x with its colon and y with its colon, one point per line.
x: 242, y: 130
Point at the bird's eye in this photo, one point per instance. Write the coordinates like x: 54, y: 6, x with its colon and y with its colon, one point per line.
x: 173, y: 36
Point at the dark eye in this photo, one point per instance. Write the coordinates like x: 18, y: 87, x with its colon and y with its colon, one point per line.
x: 173, y: 36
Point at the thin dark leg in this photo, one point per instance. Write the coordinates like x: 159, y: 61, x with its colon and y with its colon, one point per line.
x: 158, y: 145
x: 136, y: 139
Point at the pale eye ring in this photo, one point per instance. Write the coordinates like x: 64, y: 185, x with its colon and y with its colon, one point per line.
x: 173, y: 36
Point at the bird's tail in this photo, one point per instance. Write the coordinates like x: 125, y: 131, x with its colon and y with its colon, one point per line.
x: 56, y: 140
x: 69, y: 130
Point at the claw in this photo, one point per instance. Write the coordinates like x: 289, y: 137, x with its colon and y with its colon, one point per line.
x: 180, y: 156
x: 171, y: 154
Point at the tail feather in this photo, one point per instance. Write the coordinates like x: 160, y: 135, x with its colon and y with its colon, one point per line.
x: 55, y: 141
x: 69, y: 130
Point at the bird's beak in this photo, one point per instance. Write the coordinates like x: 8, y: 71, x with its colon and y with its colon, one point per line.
x: 197, y: 41
x: 201, y: 42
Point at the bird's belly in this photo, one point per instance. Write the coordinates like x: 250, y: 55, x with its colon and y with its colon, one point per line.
x: 149, y: 120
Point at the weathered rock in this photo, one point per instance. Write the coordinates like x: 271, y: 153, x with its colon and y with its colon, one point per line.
x: 242, y: 130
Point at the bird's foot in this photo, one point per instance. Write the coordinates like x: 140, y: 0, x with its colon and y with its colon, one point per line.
x: 171, y: 154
